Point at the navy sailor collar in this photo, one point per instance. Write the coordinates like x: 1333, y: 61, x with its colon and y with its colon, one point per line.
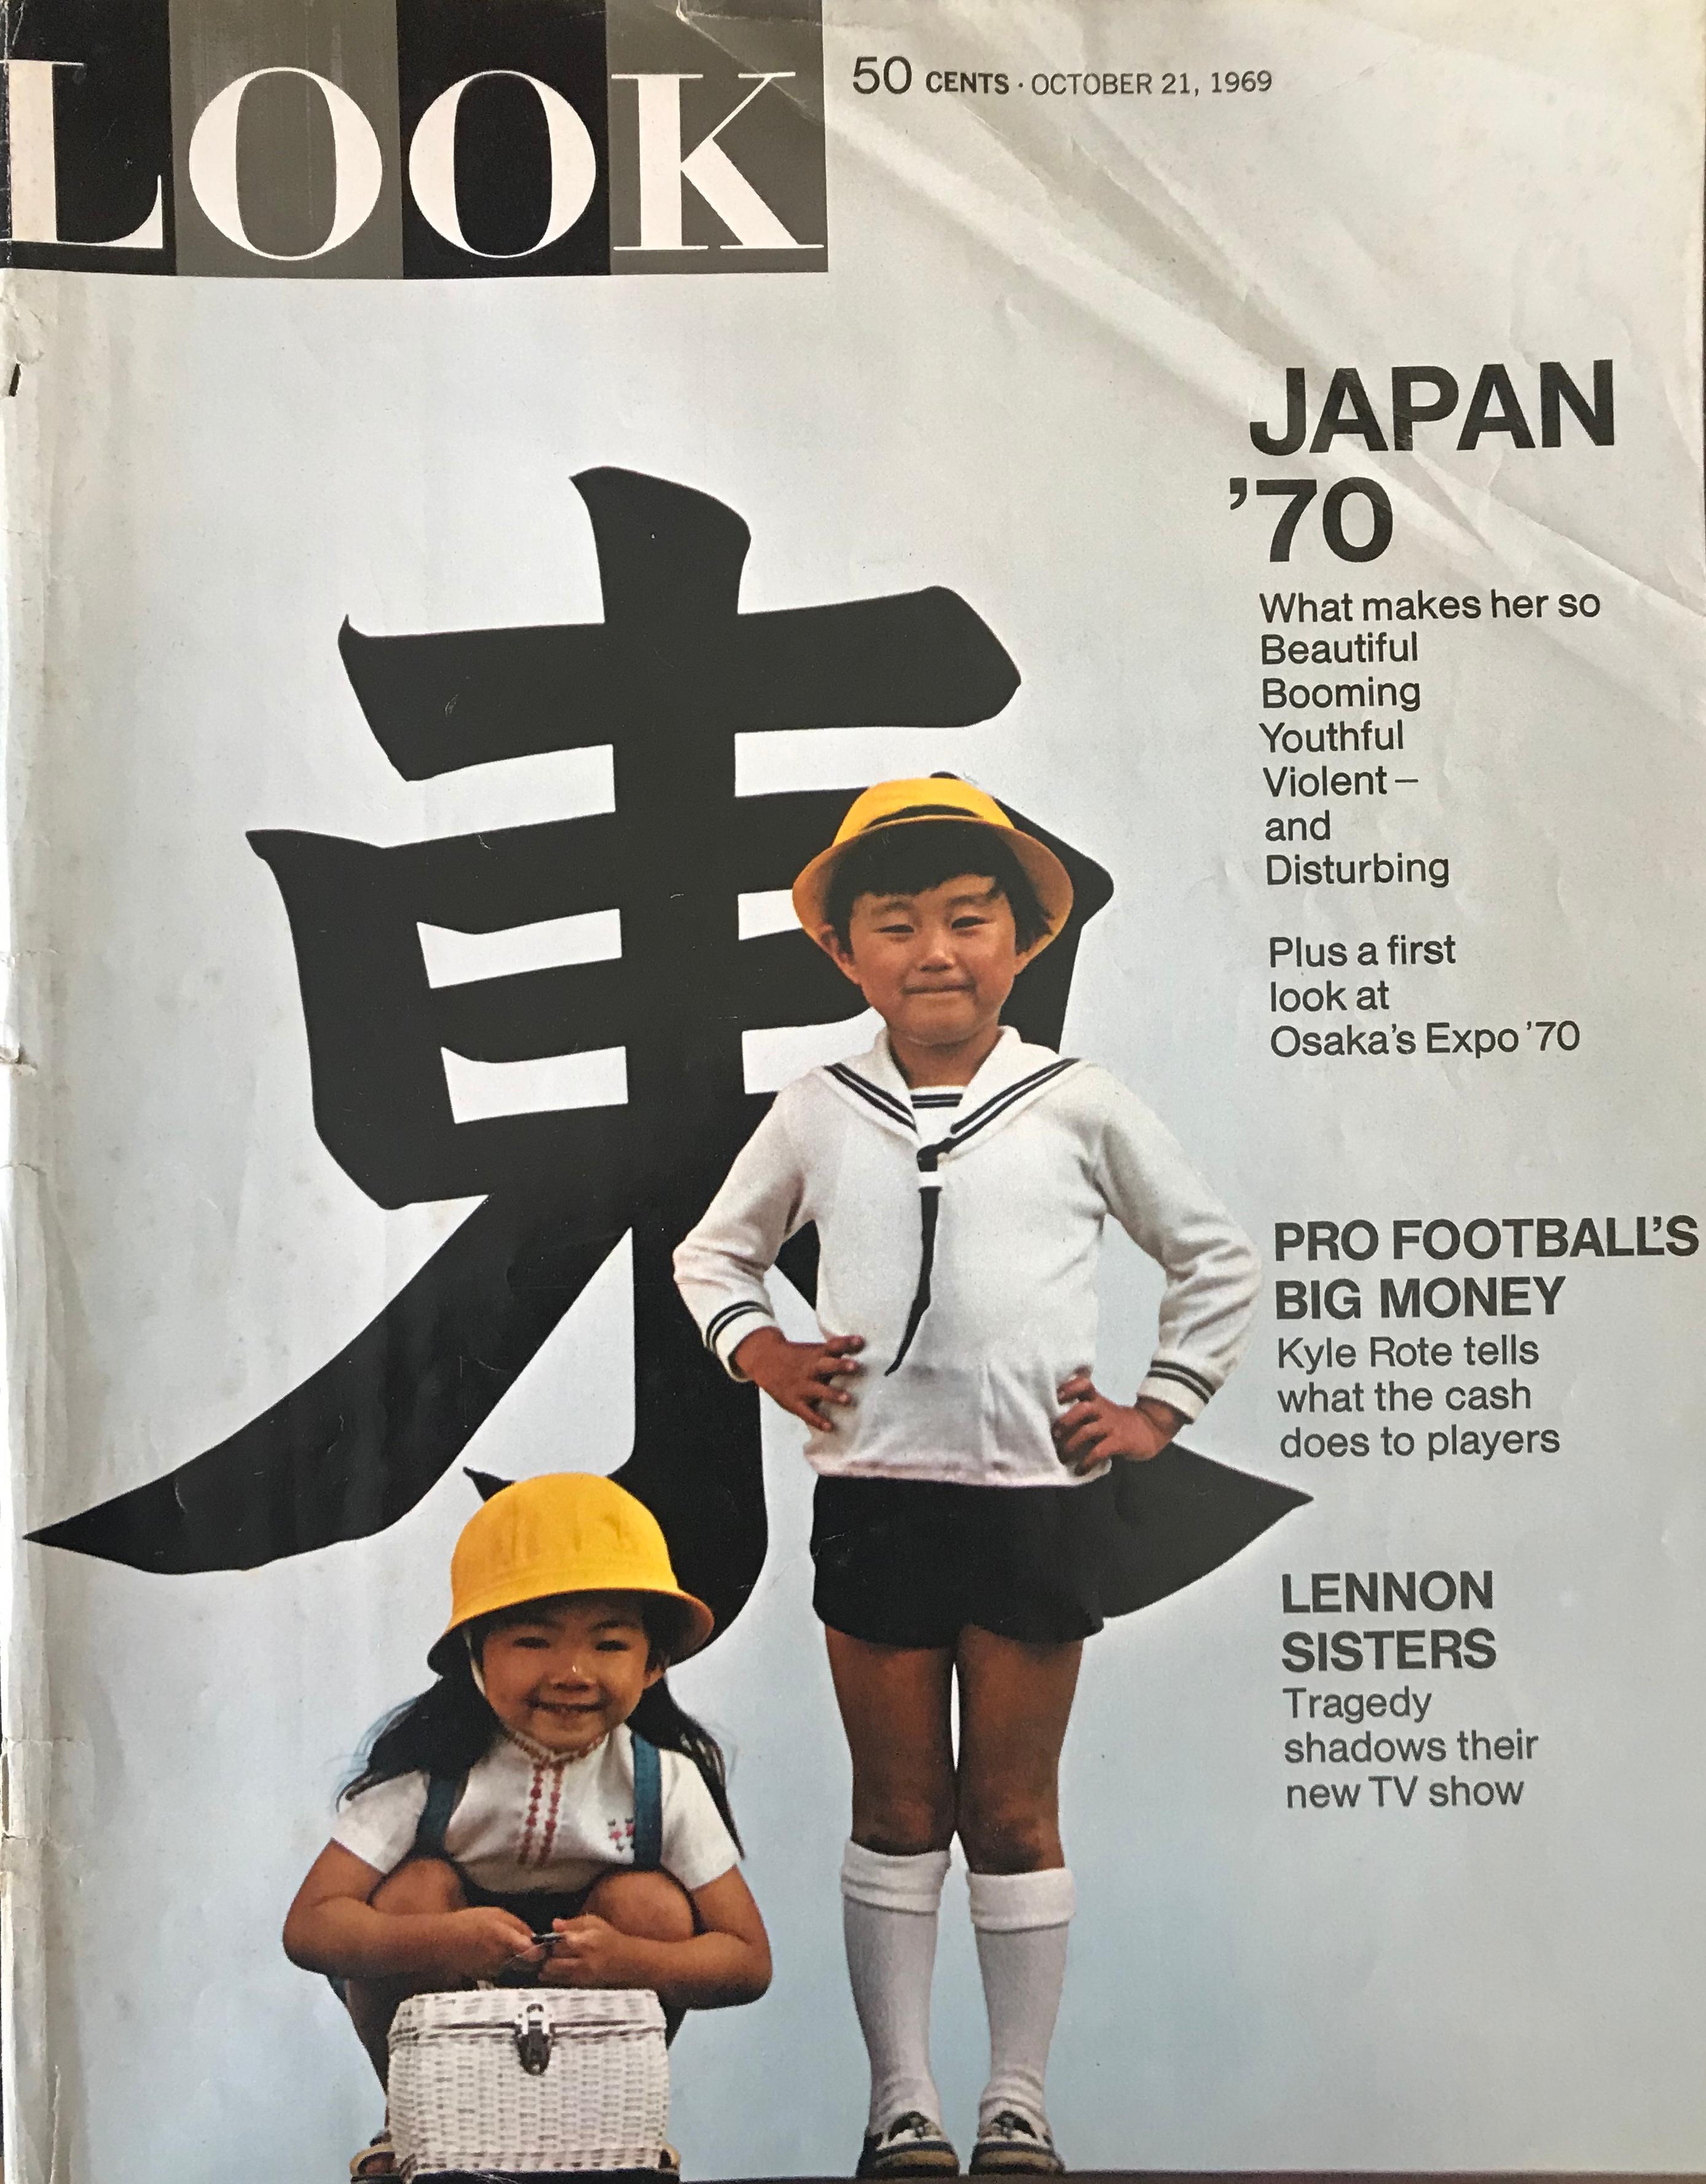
x: 1010, y: 1076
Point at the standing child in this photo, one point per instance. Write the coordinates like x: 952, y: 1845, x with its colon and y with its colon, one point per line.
x: 960, y: 1180
x: 516, y: 1796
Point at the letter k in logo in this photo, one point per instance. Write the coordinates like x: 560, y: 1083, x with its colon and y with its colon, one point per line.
x: 663, y: 169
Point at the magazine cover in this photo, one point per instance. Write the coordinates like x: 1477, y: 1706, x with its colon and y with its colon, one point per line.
x: 853, y: 1202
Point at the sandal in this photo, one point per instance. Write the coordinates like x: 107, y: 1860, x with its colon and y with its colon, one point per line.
x: 914, y: 2145
x: 1010, y: 2144
x: 378, y: 2158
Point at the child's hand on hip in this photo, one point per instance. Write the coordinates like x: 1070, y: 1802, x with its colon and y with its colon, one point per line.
x: 589, y: 1951
x: 1092, y: 1427
x: 802, y: 1376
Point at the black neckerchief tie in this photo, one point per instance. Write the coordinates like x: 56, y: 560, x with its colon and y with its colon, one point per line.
x: 966, y: 1127
x: 929, y: 1208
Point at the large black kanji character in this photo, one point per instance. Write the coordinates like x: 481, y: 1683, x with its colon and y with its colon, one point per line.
x: 671, y: 677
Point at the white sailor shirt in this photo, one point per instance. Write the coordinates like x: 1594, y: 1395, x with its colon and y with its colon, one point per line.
x: 1024, y: 1167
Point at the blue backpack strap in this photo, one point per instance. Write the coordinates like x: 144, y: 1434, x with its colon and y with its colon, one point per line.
x: 648, y: 1806
x: 443, y: 1795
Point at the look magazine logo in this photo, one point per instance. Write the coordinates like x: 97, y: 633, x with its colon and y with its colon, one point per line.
x: 401, y: 139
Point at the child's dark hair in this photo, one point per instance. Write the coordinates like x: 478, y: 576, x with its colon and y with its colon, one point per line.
x: 922, y: 853
x: 450, y: 1728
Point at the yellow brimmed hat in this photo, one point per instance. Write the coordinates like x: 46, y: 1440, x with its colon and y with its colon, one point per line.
x: 569, y: 1531
x: 911, y: 803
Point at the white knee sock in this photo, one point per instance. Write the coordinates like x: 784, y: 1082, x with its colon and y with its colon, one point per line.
x: 1020, y: 1920
x: 889, y: 1914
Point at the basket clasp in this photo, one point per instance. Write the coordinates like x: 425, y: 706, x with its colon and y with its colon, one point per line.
x: 533, y: 2040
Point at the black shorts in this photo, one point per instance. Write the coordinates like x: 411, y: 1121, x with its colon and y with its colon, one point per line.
x: 904, y: 1562
x: 536, y: 1907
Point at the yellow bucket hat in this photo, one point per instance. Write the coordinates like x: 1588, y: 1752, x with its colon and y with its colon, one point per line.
x: 567, y: 1531
x: 910, y: 803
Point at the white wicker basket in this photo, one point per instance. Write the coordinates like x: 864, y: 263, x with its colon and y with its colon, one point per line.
x: 529, y: 2079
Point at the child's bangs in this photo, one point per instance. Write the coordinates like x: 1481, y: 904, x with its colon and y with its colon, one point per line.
x: 921, y: 854
x: 667, y: 1623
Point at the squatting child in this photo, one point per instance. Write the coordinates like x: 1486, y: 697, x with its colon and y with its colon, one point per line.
x: 547, y: 1783
x: 959, y: 1179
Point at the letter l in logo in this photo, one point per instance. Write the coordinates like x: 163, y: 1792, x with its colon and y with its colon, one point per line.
x: 34, y: 162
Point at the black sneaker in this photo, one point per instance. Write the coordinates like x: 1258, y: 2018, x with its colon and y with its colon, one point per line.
x: 1012, y: 2145
x: 912, y: 2146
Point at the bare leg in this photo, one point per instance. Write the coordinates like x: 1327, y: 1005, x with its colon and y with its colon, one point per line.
x: 1002, y: 1798
x: 419, y: 1885
x: 1015, y: 1700
x: 894, y: 1703
x: 895, y: 1707
x: 648, y: 1905
x: 651, y: 1906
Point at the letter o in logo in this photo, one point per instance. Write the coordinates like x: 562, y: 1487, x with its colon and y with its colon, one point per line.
x: 358, y: 164
x: 432, y: 164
